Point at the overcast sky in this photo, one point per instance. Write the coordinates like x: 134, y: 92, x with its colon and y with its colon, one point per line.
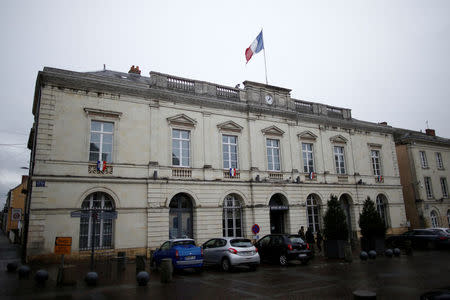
x: 385, y: 60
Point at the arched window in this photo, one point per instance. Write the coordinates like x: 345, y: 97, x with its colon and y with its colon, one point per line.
x: 232, y: 217
x: 180, y: 217
x: 381, y: 208
x: 312, y: 213
x: 92, y: 224
x: 434, y: 219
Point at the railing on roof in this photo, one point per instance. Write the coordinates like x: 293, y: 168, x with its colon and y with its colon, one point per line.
x: 334, y: 112
x: 180, y: 84
x: 226, y: 92
x: 303, y: 106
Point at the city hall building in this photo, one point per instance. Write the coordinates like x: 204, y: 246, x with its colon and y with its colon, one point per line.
x: 175, y: 157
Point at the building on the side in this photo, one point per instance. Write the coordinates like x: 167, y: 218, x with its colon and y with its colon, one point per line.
x: 13, y: 217
x: 424, y: 163
x: 177, y: 157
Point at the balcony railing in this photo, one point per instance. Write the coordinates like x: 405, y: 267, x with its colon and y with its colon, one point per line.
x: 180, y: 84
x: 184, y: 173
x: 276, y: 176
x: 226, y: 92
x: 226, y: 174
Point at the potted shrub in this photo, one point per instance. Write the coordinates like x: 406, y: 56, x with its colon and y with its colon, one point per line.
x: 373, y: 230
x: 335, y: 229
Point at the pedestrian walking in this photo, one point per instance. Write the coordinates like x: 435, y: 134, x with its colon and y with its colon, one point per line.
x: 319, y: 240
x: 310, y: 239
x: 301, y: 232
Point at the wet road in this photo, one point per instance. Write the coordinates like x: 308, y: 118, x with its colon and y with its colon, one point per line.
x: 404, y: 277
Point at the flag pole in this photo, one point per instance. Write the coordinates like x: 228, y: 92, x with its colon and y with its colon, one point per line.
x: 265, y: 65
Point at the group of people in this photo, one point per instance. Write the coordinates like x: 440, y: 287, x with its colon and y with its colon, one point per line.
x: 309, y: 237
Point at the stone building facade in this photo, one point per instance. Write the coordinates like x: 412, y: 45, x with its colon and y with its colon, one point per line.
x: 192, y: 158
x: 424, y: 162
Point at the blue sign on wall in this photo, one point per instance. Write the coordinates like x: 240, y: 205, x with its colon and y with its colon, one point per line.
x: 40, y: 183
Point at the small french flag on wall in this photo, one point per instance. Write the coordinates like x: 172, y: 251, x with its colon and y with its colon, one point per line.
x: 232, y: 172
x: 101, y: 165
x: 255, y: 47
x: 312, y: 175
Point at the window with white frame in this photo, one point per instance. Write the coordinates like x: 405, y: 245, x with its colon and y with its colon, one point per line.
x: 434, y: 219
x: 381, y: 208
x: 308, y: 157
x: 428, y: 187
x: 444, y: 187
x: 101, y: 143
x: 423, y: 159
x: 312, y: 213
x: 439, y: 162
x: 229, y: 151
x: 232, y: 217
x: 376, y: 164
x: 273, y: 154
x: 92, y: 225
x: 339, y: 159
x: 181, y: 143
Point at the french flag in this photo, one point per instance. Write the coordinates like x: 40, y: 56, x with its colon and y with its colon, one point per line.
x: 255, y: 47
x: 232, y: 172
x: 101, y: 165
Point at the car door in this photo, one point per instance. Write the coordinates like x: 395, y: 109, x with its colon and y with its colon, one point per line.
x: 276, y: 247
x: 208, y: 251
x: 263, y: 247
x: 163, y: 252
x: 220, y: 249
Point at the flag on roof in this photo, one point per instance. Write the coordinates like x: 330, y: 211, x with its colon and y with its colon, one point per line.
x: 255, y: 47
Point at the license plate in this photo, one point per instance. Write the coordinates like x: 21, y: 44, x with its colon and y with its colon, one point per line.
x: 302, y: 255
x: 189, y: 258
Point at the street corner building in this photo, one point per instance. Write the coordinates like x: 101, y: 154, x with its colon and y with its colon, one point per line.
x: 175, y: 157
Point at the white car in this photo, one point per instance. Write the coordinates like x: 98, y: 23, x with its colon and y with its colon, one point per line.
x: 228, y: 252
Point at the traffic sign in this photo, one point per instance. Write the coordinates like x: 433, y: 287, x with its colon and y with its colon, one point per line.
x: 16, y: 214
x: 63, y: 245
x: 255, y: 229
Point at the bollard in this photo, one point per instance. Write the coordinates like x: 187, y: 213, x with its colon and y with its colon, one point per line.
x: 142, y: 278
x: 24, y: 271
x: 388, y: 253
x: 362, y: 294
x: 91, y: 278
x: 364, y: 255
x: 166, y: 270
x: 41, y: 277
x: 396, y: 252
x: 11, y: 267
x: 348, y: 257
x: 372, y: 254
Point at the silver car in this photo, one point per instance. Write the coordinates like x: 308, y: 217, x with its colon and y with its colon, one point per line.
x: 228, y: 252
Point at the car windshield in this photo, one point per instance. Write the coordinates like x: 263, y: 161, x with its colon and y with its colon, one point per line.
x: 296, y: 239
x: 241, y: 243
x: 183, y: 243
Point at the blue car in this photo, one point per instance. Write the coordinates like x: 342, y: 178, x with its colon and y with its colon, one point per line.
x: 183, y: 252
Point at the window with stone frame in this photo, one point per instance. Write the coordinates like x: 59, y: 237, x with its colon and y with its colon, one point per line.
x: 444, y: 187
x: 313, y: 212
x: 423, y: 159
x: 273, y: 155
x: 428, y: 187
x: 376, y: 162
x: 229, y: 151
x: 339, y: 159
x: 101, y: 141
x: 381, y: 208
x: 439, y: 162
x: 181, y: 144
x: 434, y: 219
x: 232, y: 217
x: 308, y: 157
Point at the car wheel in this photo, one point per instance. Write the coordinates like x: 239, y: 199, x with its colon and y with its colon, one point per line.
x: 283, y: 260
x: 225, y: 265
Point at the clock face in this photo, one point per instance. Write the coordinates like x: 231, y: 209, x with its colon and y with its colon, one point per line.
x: 269, y: 99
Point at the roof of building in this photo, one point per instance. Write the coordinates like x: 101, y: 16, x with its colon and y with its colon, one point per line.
x: 405, y: 136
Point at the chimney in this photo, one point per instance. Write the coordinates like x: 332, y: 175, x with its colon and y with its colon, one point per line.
x: 430, y: 132
x: 134, y: 70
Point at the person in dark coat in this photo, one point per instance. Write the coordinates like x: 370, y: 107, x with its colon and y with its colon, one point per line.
x: 310, y: 238
x: 301, y: 232
x: 319, y: 240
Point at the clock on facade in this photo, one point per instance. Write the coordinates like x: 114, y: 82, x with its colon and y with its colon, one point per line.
x: 269, y: 99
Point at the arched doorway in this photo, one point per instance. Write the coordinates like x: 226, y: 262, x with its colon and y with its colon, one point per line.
x: 180, y: 216
x: 381, y: 208
x: 434, y: 219
x: 232, y: 216
x: 278, y: 213
x: 313, y: 212
x: 345, y: 201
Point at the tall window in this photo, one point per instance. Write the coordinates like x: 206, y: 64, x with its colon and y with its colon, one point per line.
x: 101, y: 144
x: 439, y: 162
x: 232, y: 217
x: 381, y: 208
x: 423, y: 159
x: 229, y: 149
x: 434, y: 219
x: 180, y: 217
x: 308, y: 157
x: 312, y: 213
x: 339, y: 159
x: 180, y: 148
x: 444, y: 187
x: 448, y: 217
x: 376, y: 166
x: 428, y: 187
x: 273, y: 154
x: 91, y: 224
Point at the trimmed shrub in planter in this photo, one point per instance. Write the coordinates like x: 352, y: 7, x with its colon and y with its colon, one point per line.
x: 373, y: 230
x: 335, y: 229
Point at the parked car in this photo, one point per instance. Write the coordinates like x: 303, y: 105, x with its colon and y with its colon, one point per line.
x: 282, y: 248
x: 228, y: 252
x: 183, y: 252
x: 420, y: 238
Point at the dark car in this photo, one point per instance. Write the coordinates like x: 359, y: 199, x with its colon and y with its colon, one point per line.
x: 183, y: 252
x: 420, y: 238
x: 282, y: 248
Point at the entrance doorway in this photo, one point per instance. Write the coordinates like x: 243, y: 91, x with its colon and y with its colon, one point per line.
x: 345, y: 202
x: 278, y: 213
x: 180, y: 217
